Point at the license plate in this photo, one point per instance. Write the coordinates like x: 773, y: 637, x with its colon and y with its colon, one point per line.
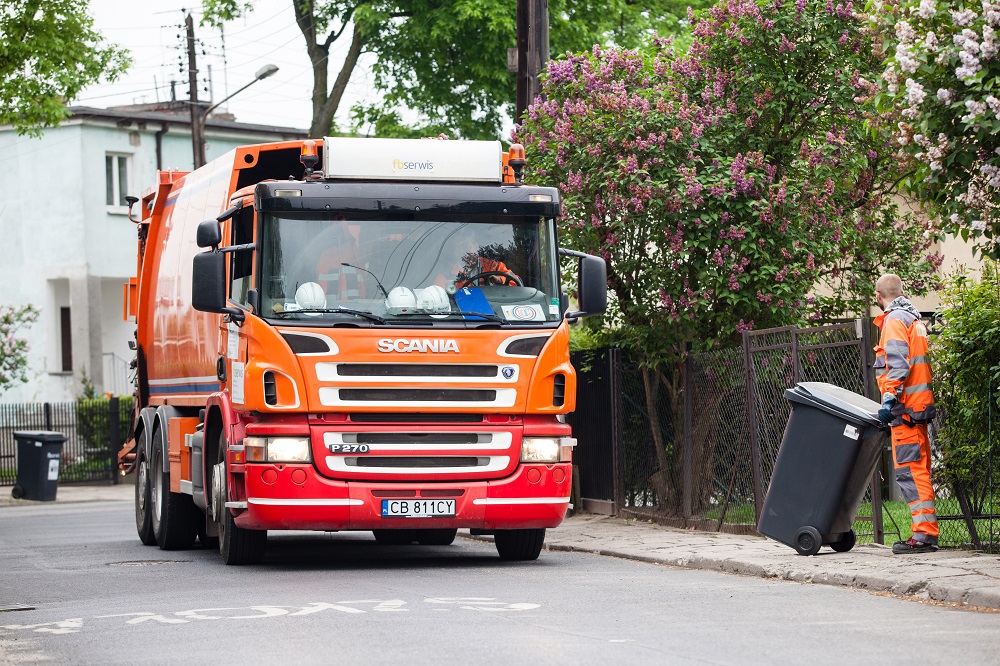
x: 418, y: 508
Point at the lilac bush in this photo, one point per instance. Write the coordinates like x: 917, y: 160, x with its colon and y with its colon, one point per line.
x: 941, y: 75
x: 739, y: 185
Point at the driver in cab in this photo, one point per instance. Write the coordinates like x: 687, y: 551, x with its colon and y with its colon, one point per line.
x: 470, y: 266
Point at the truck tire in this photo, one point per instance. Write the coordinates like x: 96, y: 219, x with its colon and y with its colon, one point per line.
x: 173, y: 514
x: 206, y: 541
x: 143, y: 499
x: 236, y: 544
x: 519, y: 545
x: 436, y: 537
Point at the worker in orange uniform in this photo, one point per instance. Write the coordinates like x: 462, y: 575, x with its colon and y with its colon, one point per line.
x: 904, y: 378
x: 470, y: 268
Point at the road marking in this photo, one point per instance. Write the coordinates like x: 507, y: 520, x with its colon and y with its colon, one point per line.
x: 482, y: 604
x: 143, y: 617
x: 71, y: 626
x: 75, y: 625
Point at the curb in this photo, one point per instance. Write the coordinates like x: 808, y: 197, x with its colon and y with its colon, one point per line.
x: 979, y: 599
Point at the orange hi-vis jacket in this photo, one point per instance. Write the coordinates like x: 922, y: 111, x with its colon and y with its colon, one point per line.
x: 485, y: 265
x: 901, y: 366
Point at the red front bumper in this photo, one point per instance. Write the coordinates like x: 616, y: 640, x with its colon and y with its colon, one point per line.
x: 295, y: 497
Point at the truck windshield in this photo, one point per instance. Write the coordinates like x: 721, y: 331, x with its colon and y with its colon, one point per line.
x: 316, y: 266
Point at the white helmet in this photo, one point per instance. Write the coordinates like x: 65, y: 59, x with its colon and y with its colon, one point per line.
x: 310, y: 296
x: 433, y: 299
x: 400, y: 300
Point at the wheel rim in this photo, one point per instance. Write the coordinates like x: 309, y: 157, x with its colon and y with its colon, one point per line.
x: 140, y: 485
x: 219, y: 482
x: 156, y: 488
x: 806, y: 542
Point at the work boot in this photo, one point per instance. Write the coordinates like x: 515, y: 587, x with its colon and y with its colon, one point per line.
x: 911, y: 545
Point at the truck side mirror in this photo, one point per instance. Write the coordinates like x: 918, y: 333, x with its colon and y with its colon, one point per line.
x: 592, y: 282
x: 209, y: 234
x: 208, y: 283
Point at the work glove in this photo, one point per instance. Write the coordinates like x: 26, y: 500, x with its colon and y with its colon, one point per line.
x: 885, y: 411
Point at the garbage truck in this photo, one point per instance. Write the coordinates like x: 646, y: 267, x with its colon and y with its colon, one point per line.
x: 353, y: 334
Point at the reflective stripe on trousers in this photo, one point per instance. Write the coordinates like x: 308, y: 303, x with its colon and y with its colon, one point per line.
x: 911, y: 456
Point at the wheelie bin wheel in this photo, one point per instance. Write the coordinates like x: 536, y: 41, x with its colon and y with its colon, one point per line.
x: 845, y: 543
x: 17, y: 492
x: 808, y: 541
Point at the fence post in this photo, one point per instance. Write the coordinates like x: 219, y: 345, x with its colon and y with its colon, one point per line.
x: 796, y: 366
x: 47, y: 409
x: 688, y: 439
x: 867, y: 374
x: 114, y: 430
x: 758, y: 483
x: 614, y: 369
x: 867, y: 366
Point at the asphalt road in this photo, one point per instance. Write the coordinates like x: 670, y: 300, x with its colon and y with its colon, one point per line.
x: 100, y: 597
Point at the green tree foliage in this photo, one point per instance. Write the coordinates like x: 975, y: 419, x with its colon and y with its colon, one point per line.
x: 942, y: 77
x: 49, y: 52
x: 13, y: 347
x: 966, y: 362
x: 739, y: 185
x: 446, y: 60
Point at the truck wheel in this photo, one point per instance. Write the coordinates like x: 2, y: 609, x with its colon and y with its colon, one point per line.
x: 436, y: 537
x: 395, y: 537
x: 236, y: 544
x: 173, y: 514
x: 519, y: 545
x: 143, y: 503
x: 211, y: 542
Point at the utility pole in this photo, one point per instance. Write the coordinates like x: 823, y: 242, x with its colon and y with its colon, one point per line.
x: 197, y: 127
x: 532, y: 50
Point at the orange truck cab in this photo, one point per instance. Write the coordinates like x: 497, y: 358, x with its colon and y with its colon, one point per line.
x: 378, y: 341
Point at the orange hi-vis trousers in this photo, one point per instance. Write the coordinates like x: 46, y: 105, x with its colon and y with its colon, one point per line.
x: 911, y: 455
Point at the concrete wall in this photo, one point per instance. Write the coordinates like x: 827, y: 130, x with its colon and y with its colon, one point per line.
x: 63, y: 246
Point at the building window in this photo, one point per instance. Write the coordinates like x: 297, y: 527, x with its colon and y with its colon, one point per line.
x: 116, y: 178
x: 66, y: 340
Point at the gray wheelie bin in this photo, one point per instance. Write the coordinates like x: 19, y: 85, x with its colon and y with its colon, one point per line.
x: 38, y: 454
x: 828, y: 453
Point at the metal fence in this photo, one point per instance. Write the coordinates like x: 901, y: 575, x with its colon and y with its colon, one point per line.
x: 716, y: 465
x: 93, y: 430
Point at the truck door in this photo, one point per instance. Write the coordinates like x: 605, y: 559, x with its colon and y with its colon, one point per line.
x: 241, y: 293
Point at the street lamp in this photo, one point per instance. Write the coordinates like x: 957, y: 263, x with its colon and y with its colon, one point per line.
x: 199, y: 117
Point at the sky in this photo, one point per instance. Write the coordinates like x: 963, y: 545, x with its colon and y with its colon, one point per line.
x: 153, y: 31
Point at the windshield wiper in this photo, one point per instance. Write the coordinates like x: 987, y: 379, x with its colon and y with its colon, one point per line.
x: 350, y: 311
x: 485, y: 315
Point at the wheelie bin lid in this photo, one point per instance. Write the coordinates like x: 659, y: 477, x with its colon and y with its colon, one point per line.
x: 837, y: 401
x: 40, y: 435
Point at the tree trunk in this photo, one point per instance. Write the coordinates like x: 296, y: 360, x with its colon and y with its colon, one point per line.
x: 322, y: 121
x: 660, y: 479
x: 325, y: 102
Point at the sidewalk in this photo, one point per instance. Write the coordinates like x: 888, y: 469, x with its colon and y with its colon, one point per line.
x: 71, y: 494
x: 951, y: 576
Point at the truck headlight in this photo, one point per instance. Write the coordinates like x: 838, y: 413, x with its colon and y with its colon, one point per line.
x: 540, y: 450
x: 278, y: 449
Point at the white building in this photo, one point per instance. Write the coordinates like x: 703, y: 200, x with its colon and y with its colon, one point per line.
x: 68, y: 245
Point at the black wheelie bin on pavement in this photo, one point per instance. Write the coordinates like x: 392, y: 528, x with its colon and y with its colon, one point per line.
x: 830, y: 449
x: 38, y: 455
